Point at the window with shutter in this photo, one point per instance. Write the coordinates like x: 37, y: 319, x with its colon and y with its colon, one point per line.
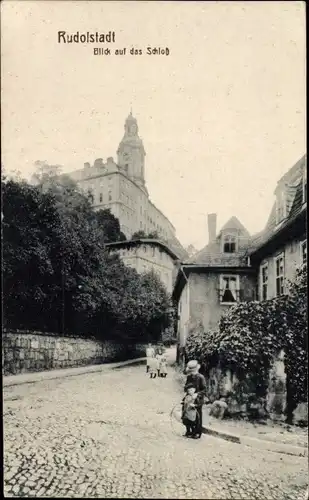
x: 229, y: 289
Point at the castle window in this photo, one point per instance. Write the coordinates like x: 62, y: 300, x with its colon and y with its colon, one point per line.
x: 101, y: 197
x: 264, y: 281
x: 229, y: 289
x: 229, y: 244
x: 279, y: 269
x: 109, y: 196
x: 303, y: 252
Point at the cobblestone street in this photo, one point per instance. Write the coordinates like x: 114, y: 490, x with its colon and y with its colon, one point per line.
x: 110, y: 435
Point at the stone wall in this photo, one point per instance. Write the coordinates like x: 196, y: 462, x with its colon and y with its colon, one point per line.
x: 33, y: 351
x: 276, y: 393
x: 241, y: 396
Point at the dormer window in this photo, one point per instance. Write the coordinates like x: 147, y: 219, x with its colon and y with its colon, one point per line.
x: 280, y: 206
x: 229, y: 243
x: 305, y: 186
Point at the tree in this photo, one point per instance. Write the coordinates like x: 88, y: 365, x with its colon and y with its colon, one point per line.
x: 141, y: 234
x: 58, y: 276
x: 110, y: 226
x: 138, y: 235
x: 45, y: 174
x: 29, y: 227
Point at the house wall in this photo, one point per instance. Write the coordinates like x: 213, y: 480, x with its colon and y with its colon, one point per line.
x: 292, y: 258
x: 183, y: 316
x: 149, y: 257
x: 205, y: 306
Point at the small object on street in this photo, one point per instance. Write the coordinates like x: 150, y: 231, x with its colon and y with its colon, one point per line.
x: 218, y: 408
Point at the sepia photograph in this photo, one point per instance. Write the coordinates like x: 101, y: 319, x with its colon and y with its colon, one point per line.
x: 154, y: 249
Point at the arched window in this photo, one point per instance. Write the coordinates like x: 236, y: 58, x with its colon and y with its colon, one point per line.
x: 229, y: 243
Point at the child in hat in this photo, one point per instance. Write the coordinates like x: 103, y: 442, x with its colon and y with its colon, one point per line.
x: 189, y: 411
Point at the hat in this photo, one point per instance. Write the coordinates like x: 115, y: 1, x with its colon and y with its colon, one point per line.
x: 192, y: 365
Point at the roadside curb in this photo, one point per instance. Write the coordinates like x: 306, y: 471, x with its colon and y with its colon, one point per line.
x: 30, y: 378
x: 262, y: 444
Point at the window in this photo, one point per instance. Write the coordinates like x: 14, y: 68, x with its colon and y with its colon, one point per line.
x: 229, y: 244
x: 264, y: 281
x: 279, y: 266
x: 280, y: 207
x: 303, y: 252
x: 109, y: 196
x: 305, y: 186
x: 101, y: 197
x: 229, y: 289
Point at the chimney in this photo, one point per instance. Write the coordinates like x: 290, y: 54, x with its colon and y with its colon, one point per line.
x: 98, y: 162
x: 212, y: 227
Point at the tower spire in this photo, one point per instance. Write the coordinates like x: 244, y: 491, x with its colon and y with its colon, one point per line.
x: 131, y: 153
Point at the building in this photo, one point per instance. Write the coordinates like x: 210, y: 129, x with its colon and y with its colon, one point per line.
x: 216, y: 277
x: 121, y: 188
x: 235, y: 267
x: 146, y: 255
x: 281, y: 247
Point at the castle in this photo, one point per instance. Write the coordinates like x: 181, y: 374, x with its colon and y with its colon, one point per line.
x: 121, y: 188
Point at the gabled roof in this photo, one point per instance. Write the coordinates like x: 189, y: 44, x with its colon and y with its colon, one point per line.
x: 234, y: 223
x: 297, y: 207
x: 211, y: 255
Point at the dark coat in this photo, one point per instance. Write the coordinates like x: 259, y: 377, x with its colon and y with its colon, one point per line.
x: 199, y: 382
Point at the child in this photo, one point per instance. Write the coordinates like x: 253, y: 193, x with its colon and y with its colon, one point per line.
x: 189, y: 412
x: 153, y: 367
x: 150, y: 353
x: 163, y: 366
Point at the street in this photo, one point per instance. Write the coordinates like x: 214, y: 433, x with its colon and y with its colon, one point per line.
x: 110, y: 435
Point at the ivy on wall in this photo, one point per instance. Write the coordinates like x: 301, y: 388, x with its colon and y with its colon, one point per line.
x: 251, y: 333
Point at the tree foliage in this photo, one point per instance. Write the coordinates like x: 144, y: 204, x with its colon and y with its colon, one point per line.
x: 58, y: 275
x: 141, y: 234
x: 250, y: 335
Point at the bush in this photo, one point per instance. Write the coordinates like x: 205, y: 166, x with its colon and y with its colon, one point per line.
x: 249, y: 336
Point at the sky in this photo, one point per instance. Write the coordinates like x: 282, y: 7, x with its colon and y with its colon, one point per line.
x: 222, y: 117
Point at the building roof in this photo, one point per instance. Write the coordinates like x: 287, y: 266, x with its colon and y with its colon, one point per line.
x: 234, y: 223
x: 297, y: 206
x: 211, y: 255
x: 143, y: 241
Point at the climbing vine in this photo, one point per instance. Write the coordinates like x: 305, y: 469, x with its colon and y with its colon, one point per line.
x: 250, y: 334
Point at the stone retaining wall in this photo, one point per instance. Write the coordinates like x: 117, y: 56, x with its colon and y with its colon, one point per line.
x: 33, y: 351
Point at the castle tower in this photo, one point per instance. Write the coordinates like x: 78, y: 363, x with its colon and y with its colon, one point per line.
x: 131, y: 153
